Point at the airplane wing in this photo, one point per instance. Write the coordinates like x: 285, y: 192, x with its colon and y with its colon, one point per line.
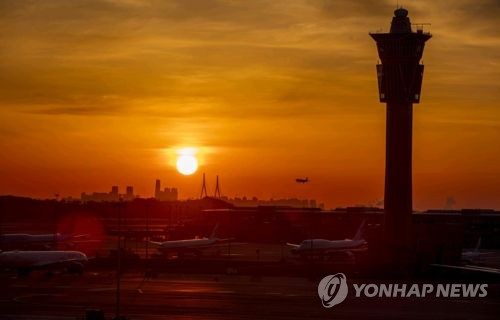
x: 42, y: 264
x: 346, y: 250
x: 468, y: 268
x: 85, y: 241
x: 224, y: 244
x: 238, y: 243
x: 325, y: 251
x: 83, y: 235
x: 156, y: 243
x: 212, y: 245
x: 225, y: 240
x: 487, y: 253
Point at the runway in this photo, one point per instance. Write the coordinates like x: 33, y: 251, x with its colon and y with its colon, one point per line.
x: 177, y: 296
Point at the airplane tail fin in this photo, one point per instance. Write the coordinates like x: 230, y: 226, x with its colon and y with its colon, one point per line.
x: 213, y: 234
x: 478, y: 245
x: 361, y: 231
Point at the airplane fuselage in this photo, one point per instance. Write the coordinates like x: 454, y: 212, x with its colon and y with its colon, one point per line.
x: 471, y: 256
x: 187, y: 244
x: 30, y: 260
x: 311, y: 245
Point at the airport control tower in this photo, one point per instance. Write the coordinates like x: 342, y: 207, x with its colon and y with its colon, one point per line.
x: 399, y: 82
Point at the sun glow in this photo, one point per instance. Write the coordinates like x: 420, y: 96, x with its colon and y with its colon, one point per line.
x: 186, y: 161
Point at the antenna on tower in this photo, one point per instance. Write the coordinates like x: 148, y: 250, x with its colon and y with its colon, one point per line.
x: 203, y: 188
x: 217, y: 189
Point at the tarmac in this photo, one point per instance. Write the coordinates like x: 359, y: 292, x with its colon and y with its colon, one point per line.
x: 194, y: 296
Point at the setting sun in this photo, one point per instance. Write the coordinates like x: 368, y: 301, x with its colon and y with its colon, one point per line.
x: 186, y: 162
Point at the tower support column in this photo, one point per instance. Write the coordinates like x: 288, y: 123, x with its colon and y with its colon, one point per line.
x: 398, y: 177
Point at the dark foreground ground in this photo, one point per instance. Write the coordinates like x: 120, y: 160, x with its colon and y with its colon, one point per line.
x: 181, y: 296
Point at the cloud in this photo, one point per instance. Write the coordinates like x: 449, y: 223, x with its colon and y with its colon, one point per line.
x: 77, y: 110
x: 213, y: 58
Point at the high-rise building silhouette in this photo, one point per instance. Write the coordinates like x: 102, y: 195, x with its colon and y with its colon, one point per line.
x: 167, y: 194
x: 113, y: 195
x: 129, y: 194
x: 157, y: 188
x: 399, y: 82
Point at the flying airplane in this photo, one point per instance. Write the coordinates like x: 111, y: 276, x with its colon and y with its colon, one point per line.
x: 18, y: 241
x: 190, y: 245
x: 26, y: 261
x: 302, y: 180
x: 322, y: 247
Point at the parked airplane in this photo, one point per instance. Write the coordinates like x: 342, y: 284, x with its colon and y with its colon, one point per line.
x: 26, y: 261
x: 472, y: 260
x: 190, y: 245
x: 302, y: 180
x: 322, y: 247
x: 472, y: 256
x: 19, y: 241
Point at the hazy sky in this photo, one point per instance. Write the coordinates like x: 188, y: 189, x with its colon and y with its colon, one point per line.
x: 97, y: 93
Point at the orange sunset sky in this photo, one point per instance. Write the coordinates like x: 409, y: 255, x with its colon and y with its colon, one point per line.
x: 101, y: 93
